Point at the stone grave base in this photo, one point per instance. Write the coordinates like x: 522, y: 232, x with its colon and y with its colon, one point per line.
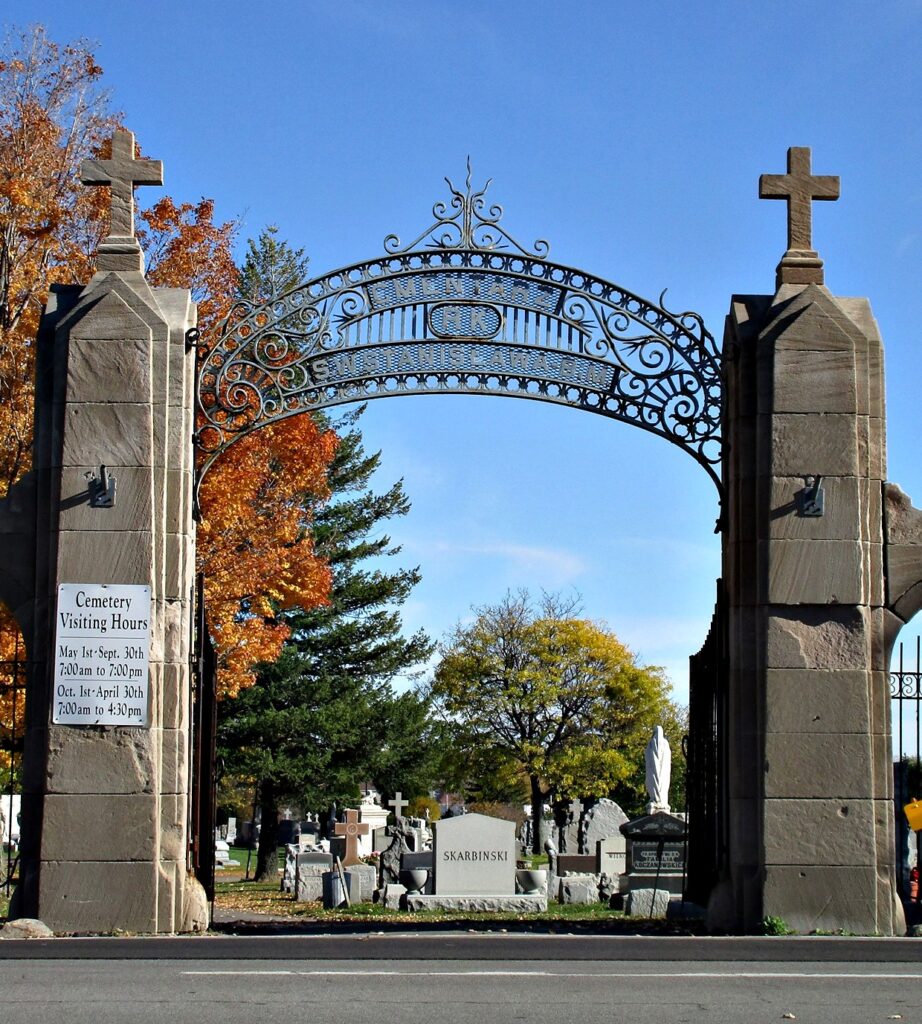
x: 310, y: 885
x: 362, y: 880
x: 669, y: 880
x: 392, y: 896
x: 520, y: 904
x: 579, y: 889
x: 650, y: 903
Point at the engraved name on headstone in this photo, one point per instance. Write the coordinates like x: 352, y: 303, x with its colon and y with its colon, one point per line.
x: 611, y: 855
x: 102, y: 655
x: 650, y: 857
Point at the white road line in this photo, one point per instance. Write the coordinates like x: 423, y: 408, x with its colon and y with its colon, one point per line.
x: 358, y: 973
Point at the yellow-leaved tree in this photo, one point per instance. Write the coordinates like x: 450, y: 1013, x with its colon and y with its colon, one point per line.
x: 553, y: 696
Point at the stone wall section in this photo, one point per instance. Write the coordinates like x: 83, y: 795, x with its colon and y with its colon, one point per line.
x: 809, y: 787
x: 107, y: 842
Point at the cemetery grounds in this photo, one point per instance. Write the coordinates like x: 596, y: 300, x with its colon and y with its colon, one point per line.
x: 263, y: 903
x: 6, y: 883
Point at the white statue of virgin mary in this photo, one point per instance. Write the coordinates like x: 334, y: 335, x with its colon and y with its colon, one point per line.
x: 659, y: 769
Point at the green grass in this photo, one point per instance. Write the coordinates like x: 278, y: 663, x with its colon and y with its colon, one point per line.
x: 537, y: 860
x: 265, y: 898
x: 4, y: 899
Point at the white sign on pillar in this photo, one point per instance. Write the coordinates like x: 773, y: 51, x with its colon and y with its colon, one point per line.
x: 102, y: 655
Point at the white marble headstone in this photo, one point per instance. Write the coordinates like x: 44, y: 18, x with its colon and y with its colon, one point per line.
x: 611, y: 854
x: 474, y: 855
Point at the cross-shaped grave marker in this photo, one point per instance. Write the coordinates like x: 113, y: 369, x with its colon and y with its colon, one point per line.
x: 799, y: 187
x: 121, y: 172
x: 398, y: 803
x: 352, y: 828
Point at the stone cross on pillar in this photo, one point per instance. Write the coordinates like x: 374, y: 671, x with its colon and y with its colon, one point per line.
x: 352, y: 828
x: 398, y: 804
x: 801, y: 263
x: 120, y: 250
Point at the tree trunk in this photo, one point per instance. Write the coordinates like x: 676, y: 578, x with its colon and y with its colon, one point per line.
x: 267, y: 859
x: 537, y: 815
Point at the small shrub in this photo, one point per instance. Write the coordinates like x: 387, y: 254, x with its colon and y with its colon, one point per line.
x: 420, y: 804
x: 775, y: 926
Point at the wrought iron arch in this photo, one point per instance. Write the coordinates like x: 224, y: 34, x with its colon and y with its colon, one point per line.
x: 463, y: 309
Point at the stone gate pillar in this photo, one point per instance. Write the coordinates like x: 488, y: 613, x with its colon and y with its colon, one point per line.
x: 808, y: 773
x: 106, y: 807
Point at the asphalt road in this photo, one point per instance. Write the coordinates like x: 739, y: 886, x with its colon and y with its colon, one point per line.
x: 449, y: 979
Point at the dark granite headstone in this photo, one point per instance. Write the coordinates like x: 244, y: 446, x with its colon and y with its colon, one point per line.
x: 668, y: 827
x: 656, y: 851
x: 288, y: 832
x: 649, y: 857
x: 582, y: 863
x: 424, y: 859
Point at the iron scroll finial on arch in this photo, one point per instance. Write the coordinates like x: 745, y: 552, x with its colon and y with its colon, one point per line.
x: 472, y: 225
x: 463, y: 309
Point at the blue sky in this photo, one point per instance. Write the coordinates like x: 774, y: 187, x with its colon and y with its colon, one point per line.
x: 631, y: 136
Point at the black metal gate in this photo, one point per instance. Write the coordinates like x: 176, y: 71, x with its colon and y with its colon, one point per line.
x: 204, y: 734
x: 705, y: 753
x: 906, y: 704
x: 12, y: 729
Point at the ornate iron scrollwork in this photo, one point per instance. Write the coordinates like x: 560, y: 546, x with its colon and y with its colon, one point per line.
x: 464, y: 308
x: 473, y: 225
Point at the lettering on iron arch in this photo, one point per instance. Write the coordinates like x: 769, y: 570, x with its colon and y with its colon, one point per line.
x: 464, y: 308
x: 474, y: 288
x: 459, y: 358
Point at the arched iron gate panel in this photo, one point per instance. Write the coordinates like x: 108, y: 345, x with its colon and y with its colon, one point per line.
x: 13, y: 678
x: 204, y: 747
x: 705, y: 751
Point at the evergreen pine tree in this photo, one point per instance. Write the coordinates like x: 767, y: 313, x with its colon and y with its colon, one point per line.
x: 325, y: 715
x: 271, y: 267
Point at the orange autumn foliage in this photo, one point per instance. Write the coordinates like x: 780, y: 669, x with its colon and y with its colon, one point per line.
x: 12, y: 696
x: 51, y: 115
x: 254, y: 545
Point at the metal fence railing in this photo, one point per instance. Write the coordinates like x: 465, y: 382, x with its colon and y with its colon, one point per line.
x: 12, y: 719
x: 905, y: 708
